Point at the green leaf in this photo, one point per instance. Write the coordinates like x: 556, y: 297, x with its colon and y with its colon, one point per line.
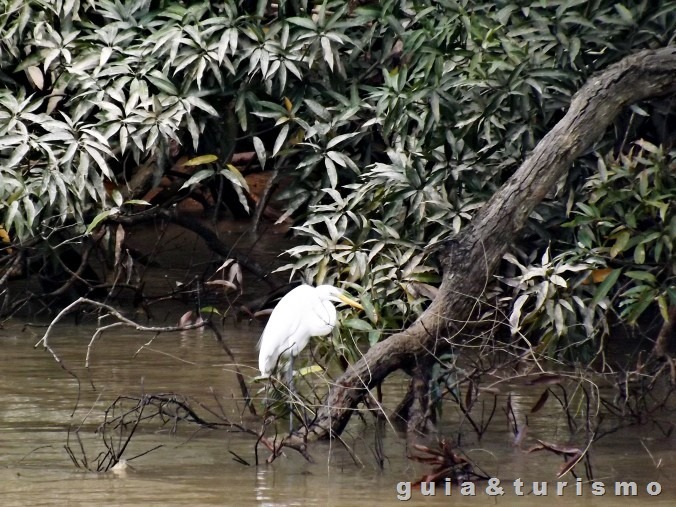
x: 639, y: 254
x: 369, y: 309
x: 515, y: 316
x: 574, y: 48
x: 303, y: 22
x: 620, y: 243
x: 644, y: 276
x: 318, y: 109
x: 331, y: 171
x: 588, y: 210
x: 647, y: 146
x: 161, y: 82
x: 239, y: 184
x: 605, y: 286
x: 339, y: 139
x: 503, y: 14
x: 624, y: 13
x: 198, y: 177
x: 281, y: 137
x: 29, y: 208
x: 327, y: 50
x: 260, y: 151
x: 357, y: 324
x: 100, y: 218
x: 434, y: 105
x: 634, y: 311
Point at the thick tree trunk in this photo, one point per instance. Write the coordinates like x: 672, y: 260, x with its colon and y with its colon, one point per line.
x: 470, y: 258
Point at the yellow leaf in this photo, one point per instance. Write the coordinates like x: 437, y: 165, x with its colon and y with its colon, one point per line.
x: 315, y: 368
x: 238, y: 175
x: 4, y: 236
x: 598, y: 275
x: 209, y: 309
x: 287, y: 104
x: 664, y: 308
x: 201, y: 160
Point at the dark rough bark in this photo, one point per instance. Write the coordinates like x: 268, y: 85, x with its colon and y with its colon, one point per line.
x: 667, y: 335
x: 420, y: 418
x: 470, y: 258
x: 665, y: 345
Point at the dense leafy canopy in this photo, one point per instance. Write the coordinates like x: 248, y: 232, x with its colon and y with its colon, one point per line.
x: 395, y: 120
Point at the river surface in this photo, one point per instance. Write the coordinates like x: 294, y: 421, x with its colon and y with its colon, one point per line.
x: 37, y: 398
x: 40, y: 401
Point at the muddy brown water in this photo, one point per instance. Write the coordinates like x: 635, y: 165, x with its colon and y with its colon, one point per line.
x: 198, y: 467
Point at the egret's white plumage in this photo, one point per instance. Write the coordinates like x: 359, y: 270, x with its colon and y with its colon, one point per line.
x: 304, y: 312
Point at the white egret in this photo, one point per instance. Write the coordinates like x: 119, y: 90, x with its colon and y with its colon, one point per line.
x: 304, y: 312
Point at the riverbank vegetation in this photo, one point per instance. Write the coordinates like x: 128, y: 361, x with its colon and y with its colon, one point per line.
x: 430, y: 156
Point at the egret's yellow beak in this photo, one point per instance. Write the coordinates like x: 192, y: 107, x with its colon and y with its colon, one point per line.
x: 350, y: 302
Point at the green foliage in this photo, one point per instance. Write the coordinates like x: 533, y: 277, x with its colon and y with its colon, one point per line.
x: 86, y: 87
x: 629, y: 220
x: 459, y: 93
x: 552, y: 300
x: 396, y: 120
x: 624, y: 228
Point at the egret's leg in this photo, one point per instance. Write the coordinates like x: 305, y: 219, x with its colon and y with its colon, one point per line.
x: 289, y: 382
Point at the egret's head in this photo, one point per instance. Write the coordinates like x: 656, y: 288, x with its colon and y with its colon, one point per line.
x: 331, y: 293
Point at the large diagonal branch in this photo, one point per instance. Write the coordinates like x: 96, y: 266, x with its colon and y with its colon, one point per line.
x: 472, y: 256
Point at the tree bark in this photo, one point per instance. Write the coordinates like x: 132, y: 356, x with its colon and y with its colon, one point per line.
x: 667, y: 335
x: 470, y: 258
